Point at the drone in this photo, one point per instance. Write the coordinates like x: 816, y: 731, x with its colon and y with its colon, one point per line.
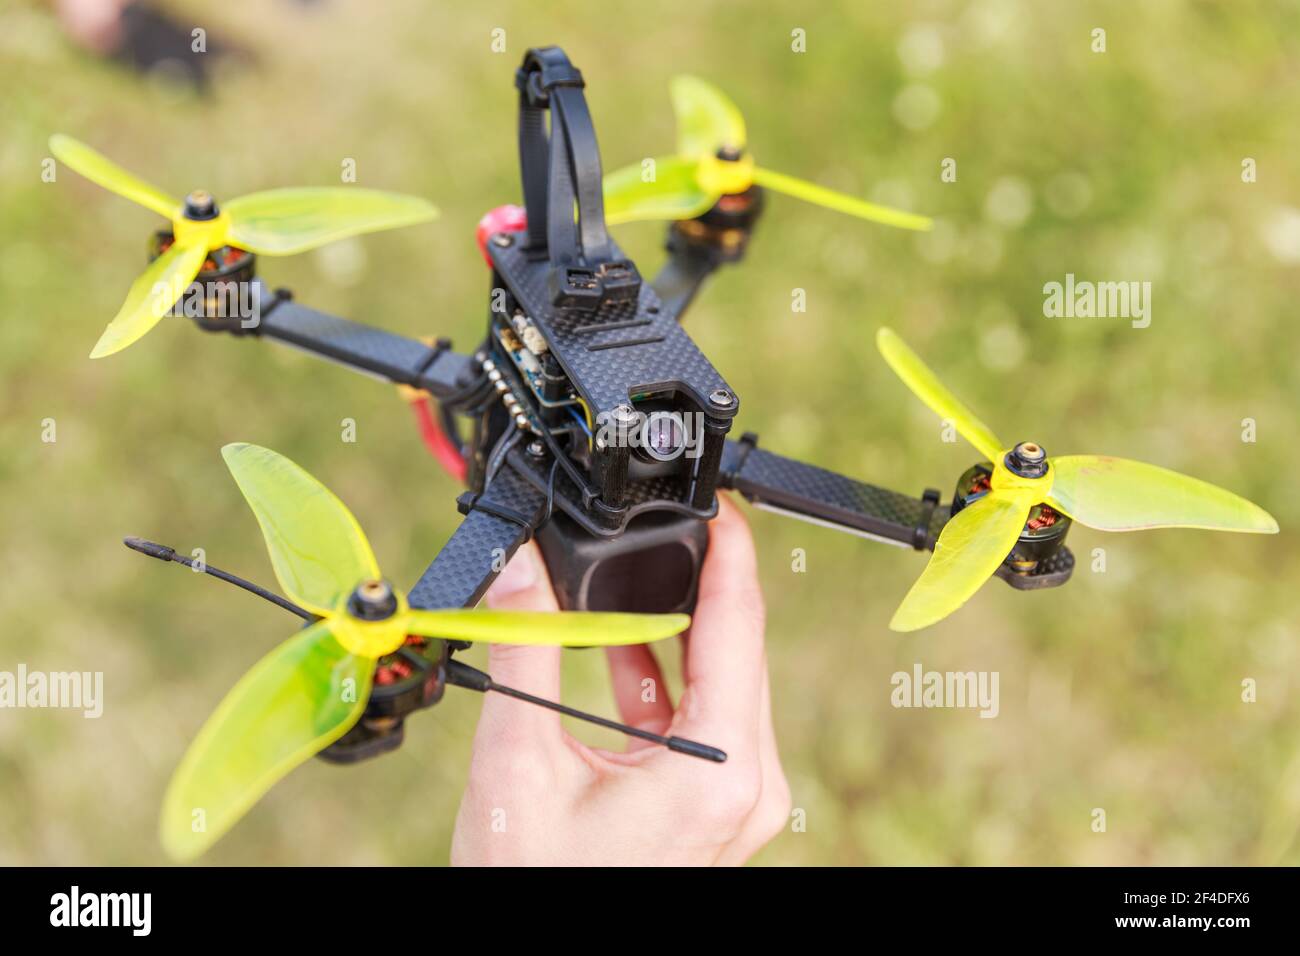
x: 586, y: 419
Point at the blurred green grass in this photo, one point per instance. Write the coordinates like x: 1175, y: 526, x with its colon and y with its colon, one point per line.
x: 1119, y: 691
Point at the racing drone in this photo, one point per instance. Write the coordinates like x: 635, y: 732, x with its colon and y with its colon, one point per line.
x: 589, y: 419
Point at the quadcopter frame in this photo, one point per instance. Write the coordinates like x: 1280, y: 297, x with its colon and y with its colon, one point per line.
x: 579, y: 351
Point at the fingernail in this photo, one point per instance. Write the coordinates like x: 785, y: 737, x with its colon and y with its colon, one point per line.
x: 519, y: 575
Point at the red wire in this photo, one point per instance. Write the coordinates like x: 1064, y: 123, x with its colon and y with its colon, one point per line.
x: 436, y: 440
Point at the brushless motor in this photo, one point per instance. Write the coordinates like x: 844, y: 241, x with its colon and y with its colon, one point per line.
x: 1042, y: 535
x: 225, y: 302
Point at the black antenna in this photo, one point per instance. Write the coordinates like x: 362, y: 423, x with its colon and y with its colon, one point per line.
x: 164, y: 553
x: 461, y: 674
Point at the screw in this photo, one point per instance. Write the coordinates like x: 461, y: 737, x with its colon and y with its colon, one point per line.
x: 503, y: 240
x: 721, y: 398
x: 536, y: 448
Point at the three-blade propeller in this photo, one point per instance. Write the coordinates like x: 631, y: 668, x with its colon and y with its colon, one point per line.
x: 1109, y: 494
x: 712, y: 162
x: 309, y: 691
x: 278, y: 222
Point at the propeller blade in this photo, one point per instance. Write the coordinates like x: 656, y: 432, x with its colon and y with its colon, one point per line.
x: 294, y: 702
x: 971, y: 546
x: 102, y: 171
x: 551, y: 629
x: 707, y: 120
x: 151, y: 296
x: 917, y: 376
x: 1117, y: 494
x: 318, y: 551
x: 840, y: 202
x: 282, y: 222
x: 674, y: 194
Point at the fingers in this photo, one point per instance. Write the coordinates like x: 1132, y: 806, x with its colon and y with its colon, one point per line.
x: 640, y: 691
x: 724, y: 653
x: 524, y: 585
x: 771, y: 813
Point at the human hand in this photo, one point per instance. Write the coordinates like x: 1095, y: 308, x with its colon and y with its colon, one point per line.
x: 537, y: 796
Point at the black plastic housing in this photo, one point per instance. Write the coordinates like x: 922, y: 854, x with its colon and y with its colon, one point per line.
x: 653, y: 567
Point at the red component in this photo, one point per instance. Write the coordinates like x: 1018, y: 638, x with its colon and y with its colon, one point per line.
x: 1045, y: 519
x: 384, y: 676
x: 437, y: 441
x: 980, y: 484
x: 507, y: 218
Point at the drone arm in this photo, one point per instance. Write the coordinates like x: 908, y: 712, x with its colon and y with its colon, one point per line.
x: 398, y: 359
x: 497, y: 522
x: 682, y: 276
x: 823, y: 497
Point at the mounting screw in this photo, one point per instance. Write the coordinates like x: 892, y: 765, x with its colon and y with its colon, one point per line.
x: 503, y: 239
x: 536, y: 448
x: 721, y: 398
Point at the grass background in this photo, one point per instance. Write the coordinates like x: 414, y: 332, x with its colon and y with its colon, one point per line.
x: 1120, y: 691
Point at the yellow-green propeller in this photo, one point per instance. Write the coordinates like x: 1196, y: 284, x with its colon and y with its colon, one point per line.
x: 277, y: 222
x: 309, y: 691
x: 1109, y: 494
x: 711, y: 162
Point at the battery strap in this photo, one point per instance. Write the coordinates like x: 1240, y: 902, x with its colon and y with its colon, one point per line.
x: 562, y: 168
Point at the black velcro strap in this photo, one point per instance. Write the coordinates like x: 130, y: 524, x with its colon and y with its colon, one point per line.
x: 921, y: 534
x: 565, y: 168
x: 469, y: 501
